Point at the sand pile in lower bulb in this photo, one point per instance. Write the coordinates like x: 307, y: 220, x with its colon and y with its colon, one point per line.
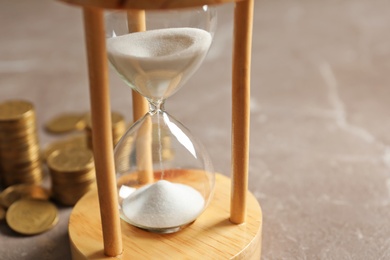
x: 163, y: 205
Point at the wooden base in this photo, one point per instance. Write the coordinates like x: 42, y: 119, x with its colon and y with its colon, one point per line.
x: 211, y: 236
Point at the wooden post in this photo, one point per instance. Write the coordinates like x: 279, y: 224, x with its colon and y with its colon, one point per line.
x: 102, y: 132
x: 243, y: 22
x: 136, y: 23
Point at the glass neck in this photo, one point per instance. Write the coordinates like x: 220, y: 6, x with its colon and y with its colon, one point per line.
x: 156, y: 106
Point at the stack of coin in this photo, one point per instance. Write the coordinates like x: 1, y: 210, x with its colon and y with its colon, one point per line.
x: 118, y: 128
x: 19, y: 146
x: 72, y: 172
x: 79, y: 140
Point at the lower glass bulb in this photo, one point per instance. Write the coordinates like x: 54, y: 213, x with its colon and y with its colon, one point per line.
x: 165, y: 177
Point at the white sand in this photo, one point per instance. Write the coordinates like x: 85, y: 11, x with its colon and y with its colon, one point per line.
x: 160, y: 44
x: 163, y: 205
x: 157, y: 62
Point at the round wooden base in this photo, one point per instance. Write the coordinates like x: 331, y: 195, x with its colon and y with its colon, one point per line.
x: 211, y: 236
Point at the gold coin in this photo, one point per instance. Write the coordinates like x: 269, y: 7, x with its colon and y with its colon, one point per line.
x: 16, y: 133
x: 71, y: 159
x: 32, y: 177
x: 17, y: 153
x: 66, y: 123
x: 118, y: 126
x: 88, y: 120
x: 2, y: 213
x: 14, y: 110
x: 70, y: 198
x: 74, y: 141
x: 30, y: 217
x: 116, y: 119
x: 22, y: 191
x: 21, y: 166
x: 72, y: 178
x: 19, y: 122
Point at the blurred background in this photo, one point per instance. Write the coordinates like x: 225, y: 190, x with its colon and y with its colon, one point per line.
x: 320, y: 125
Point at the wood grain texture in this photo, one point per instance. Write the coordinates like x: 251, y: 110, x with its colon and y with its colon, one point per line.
x: 211, y: 236
x: 102, y: 130
x: 243, y: 22
x: 146, y: 4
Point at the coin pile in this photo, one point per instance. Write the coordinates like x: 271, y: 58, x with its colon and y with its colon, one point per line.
x: 27, y: 210
x: 2, y: 213
x: 20, y: 160
x: 79, y: 140
x: 118, y: 128
x: 72, y: 172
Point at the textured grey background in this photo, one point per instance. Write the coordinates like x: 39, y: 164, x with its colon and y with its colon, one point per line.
x: 320, y: 139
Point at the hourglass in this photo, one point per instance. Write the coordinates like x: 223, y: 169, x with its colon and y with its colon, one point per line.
x: 155, y: 193
x: 169, y: 41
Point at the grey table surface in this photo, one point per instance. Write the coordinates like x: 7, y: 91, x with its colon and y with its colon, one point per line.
x: 320, y: 125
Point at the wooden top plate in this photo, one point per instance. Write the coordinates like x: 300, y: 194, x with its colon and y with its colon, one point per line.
x: 146, y: 4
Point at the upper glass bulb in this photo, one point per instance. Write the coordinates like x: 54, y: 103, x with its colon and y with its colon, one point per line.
x: 158, y: 61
